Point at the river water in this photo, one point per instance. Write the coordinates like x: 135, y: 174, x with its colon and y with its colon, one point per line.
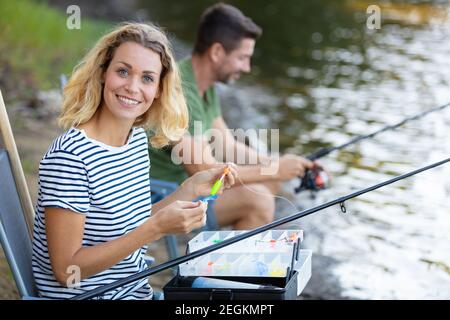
x: 322, y: 77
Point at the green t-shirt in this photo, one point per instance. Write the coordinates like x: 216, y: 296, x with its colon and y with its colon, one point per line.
x: 201, y: 111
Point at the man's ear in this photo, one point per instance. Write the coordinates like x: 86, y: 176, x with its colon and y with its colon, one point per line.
x: 216, y: 52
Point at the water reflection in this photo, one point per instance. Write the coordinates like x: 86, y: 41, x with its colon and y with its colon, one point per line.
x: 334, y: 79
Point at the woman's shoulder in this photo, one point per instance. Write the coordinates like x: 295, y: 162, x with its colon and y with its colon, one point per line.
x: 139, y: 133
x: 138, y: 130
x: 66, y: 143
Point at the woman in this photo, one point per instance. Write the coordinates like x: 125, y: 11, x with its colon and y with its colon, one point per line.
x: 93, y: 217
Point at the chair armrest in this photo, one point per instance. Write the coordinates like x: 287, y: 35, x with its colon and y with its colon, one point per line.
x: 165, y: 187
x: 34, y: 298
x: 149, y: 260
x: 158, y: 295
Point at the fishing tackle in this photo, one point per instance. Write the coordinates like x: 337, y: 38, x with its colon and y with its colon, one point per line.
x: 314, y: 179
x: 248, y: 234
x: 216, y: 186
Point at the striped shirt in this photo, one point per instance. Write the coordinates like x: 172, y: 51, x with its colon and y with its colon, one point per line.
x: 110, y: 186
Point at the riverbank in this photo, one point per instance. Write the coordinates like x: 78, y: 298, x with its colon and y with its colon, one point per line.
x: 37, y: 47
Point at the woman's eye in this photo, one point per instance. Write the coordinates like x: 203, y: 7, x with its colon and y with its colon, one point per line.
x: 122, y: 72
x: 147, y: 79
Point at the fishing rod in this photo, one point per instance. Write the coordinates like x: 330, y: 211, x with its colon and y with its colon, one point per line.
x: 276, y: 223
x: 316, y: 179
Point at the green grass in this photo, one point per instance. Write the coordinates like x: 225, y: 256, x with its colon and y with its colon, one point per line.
x: 36, y: 46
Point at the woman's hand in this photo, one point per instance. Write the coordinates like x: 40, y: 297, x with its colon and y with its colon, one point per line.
x: 180, y: 217
x: 200, y: 183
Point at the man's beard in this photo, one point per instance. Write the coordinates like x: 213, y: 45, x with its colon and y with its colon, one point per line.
x: 229, y: 78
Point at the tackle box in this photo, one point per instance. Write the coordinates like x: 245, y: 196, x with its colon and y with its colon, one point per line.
x: 265, y: 259
x: 269, y: 241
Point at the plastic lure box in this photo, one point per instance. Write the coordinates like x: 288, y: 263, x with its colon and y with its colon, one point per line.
x: 272, y: 259
x: 269, y: 254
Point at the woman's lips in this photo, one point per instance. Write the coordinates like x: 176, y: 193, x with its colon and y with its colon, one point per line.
x: 127, y: 102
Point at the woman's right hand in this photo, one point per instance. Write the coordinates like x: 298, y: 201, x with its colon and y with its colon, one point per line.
x: 181, y: 217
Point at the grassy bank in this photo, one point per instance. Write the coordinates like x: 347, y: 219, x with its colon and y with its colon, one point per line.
x: 36, y: 46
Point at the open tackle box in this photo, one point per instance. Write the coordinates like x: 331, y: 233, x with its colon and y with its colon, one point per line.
x: 269, y: 265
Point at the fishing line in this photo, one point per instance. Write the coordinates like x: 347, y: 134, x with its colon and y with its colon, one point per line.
x: 267, y: 194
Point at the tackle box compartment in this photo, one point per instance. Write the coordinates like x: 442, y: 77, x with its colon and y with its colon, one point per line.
x: 275, y: 288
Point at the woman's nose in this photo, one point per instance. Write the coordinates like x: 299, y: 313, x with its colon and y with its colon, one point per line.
x: 132, y: 85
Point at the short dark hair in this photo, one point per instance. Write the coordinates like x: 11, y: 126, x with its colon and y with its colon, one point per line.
x: 226, y: 25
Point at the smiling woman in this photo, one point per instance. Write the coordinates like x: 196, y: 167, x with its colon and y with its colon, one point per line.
x: 128, y: 91
x: 93, y: 218
x: 116, y: 54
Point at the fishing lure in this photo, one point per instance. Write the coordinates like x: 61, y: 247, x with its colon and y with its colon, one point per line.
x: 216, y: 186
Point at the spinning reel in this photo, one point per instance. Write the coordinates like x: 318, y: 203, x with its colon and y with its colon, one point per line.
x: 315, y: 179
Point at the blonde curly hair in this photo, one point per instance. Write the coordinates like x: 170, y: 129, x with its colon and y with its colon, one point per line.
x: 83, y: 94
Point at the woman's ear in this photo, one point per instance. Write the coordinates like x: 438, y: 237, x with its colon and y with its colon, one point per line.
x: 102, y: 78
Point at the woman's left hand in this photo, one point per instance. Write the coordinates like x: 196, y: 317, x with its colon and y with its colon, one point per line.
x: 200, y: 183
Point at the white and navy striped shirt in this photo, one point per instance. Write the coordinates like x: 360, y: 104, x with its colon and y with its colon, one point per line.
x: 111, y: 187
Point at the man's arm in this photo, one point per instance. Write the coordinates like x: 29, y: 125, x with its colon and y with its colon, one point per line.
x: 284, y: 168
x: 233, y: 147
x: 197, y: 155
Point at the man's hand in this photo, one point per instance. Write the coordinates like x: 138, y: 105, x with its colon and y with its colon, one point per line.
x: 291, y: 166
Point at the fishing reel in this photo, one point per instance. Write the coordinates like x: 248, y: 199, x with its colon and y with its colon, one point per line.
x: 315, y: 179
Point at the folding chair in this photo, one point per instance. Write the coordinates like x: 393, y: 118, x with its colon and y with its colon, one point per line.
x: 14, y: 235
